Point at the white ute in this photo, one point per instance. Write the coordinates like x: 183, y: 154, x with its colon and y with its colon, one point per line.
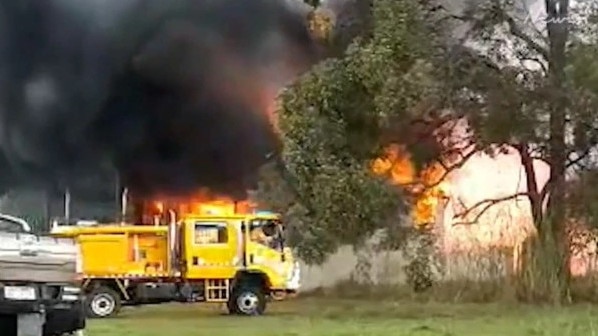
x: 39, y: 290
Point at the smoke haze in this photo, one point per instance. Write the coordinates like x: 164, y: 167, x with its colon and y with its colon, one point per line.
x: 172, y: 94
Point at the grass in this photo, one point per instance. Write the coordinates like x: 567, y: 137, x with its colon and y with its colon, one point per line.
x: 334, y: 317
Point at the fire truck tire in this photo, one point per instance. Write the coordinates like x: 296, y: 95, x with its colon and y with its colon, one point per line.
x: 232, y: 307
x: 102, y: 302
x: 247, y: 300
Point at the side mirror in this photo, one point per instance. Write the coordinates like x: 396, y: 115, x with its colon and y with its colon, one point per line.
x: 171, y: 217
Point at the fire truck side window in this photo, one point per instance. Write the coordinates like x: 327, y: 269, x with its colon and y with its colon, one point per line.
x: 211, y: 233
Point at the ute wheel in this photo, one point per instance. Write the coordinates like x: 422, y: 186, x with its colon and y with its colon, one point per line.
x: 102, y: 302
x: 247, y: 300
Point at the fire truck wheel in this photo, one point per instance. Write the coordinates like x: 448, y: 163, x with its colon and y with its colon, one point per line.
x: 231, y: 305
x: 103, y: 302
x: 247, y: 300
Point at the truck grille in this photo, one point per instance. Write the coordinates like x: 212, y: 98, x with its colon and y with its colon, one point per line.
x: 51, y: 292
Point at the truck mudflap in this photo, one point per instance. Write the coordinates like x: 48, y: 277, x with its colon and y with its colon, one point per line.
x: 64, y: 318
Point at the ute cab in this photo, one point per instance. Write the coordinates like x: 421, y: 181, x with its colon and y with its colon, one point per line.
x: 239, y: 260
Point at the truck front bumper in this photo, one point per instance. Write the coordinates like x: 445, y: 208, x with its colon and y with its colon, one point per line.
x: 8, y: 307
x: 59, y: 317
x: 294, y: 280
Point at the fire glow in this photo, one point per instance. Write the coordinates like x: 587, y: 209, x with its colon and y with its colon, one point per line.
x: 442, y: 198
x: 427, y: 186
x: 204, y: 204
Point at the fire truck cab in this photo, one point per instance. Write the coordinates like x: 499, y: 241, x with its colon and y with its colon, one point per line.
x: 197, y: 258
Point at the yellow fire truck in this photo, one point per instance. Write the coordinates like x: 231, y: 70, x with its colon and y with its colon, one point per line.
x: 194, y: 258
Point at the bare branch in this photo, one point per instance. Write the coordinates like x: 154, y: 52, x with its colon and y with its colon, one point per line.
x: 518, y: 32
x: 537, y: 61
x: 546, y: 190
x: 514, y: 29
x: 580, y: 157
x: 582, y: 122
x: 447, y: 169
x: 485, y: 205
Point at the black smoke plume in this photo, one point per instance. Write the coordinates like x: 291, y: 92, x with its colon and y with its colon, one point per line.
x: 169, y: 94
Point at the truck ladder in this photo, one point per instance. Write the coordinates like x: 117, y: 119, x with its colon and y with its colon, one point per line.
x: 217, y: 290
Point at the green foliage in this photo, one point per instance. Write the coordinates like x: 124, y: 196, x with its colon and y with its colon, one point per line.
x: 583, y: 198
x: 511, y: 82
x: 538, y: 93
x: 507, y: 90
x: 337, y: 117
x: 582, y: 73
x: 419, y: 272
x: 334, y: 119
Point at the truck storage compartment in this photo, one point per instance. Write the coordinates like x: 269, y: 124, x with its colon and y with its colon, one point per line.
x: 124, y: 252
x: 26, y: 257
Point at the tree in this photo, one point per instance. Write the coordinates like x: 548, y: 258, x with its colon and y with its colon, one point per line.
x: 526, y: 88
x: 545, y: 112
x: 338, y: 117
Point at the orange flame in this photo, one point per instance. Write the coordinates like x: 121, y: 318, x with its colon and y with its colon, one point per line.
x: 427, y: 186
x: 204, y: 204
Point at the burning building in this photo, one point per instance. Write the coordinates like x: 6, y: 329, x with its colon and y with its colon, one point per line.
x: 163, y: 97
x: 154, y: 211
x: 172, y: 102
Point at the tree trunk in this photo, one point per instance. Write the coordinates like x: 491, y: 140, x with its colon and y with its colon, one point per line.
x: 558, y: 31
x: 533, y: 194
